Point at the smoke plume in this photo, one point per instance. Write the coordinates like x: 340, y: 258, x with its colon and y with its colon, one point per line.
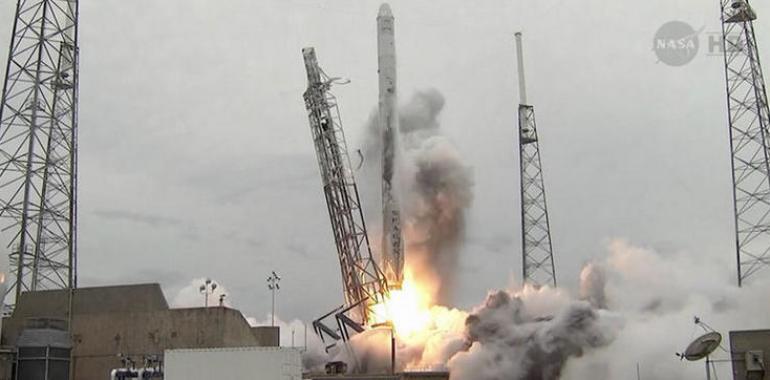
x: 435, y: 187
x: 635, y: 307
x: 524, y: 334
x: 506, y: 343
x: 593, y: 279
x: 658, y: 294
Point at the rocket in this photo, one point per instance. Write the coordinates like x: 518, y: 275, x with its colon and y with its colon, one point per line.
x: 392, y: 240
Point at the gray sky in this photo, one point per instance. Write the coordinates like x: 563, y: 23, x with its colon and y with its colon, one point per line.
x: 196, y: 158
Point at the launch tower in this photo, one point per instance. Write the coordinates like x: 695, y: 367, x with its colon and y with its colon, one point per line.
x: 363, y: 282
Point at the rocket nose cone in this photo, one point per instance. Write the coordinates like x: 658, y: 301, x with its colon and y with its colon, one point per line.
x: 385, y: 11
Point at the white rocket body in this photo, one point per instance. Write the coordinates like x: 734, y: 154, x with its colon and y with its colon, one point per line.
x: 392, y: 240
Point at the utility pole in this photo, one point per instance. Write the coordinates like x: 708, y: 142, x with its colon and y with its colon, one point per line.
x: 537, y: 253
x: 749, y: 123
x: 38, y: 147
x: 272, y: 284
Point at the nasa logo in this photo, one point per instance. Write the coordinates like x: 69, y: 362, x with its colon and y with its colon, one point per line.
x: 676, y: 43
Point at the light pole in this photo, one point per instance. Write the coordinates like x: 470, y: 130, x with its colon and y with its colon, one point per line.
x: 272, y: 284
x: 207, y: 288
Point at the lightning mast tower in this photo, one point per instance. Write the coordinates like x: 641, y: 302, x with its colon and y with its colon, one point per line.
x: 537, y: 253
x: 363, y: 282
x: 38, y: 147
x: 749, y: 122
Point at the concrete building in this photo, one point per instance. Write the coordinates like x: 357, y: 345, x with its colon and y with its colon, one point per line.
x: 135, y: 321
x: 750, y: 351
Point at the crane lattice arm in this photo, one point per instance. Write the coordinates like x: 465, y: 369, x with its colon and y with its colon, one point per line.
x: 363, y: 282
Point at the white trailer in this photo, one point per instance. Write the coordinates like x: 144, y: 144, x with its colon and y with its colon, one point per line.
x: 243, y: 363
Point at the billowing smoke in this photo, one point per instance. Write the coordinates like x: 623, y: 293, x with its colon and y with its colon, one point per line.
x: 593, y: 279
x: 635, y: 307
x: 436, y: 190
x: 507, y: 342
x: 658, y: 294
x: 524, y: 334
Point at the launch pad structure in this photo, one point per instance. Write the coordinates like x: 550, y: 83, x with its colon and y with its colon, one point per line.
x: 364, y: 284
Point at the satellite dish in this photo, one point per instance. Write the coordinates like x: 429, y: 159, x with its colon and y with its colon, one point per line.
x: 703, y: 346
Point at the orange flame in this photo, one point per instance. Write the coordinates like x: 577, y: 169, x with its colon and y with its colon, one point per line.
x: 408, y: 308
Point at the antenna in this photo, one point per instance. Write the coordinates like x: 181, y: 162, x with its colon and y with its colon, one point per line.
x: 522, y: 81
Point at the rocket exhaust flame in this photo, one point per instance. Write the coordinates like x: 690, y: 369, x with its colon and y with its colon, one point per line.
x: 407, y: 308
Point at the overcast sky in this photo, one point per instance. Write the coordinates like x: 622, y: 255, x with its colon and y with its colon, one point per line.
x: 196, y: 158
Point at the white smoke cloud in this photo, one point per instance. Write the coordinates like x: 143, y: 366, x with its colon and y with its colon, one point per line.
x: 635, y: 306
x: 658, y: 294
x: 431, y: 348
x: 528, y: 334
x: 593, y: 280
x: 508, y: 342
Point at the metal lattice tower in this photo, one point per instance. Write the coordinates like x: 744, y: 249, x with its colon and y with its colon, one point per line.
x: 363, y: 282
x: 537, y: 253
x: 38, y: 146
x: 749, y: 138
